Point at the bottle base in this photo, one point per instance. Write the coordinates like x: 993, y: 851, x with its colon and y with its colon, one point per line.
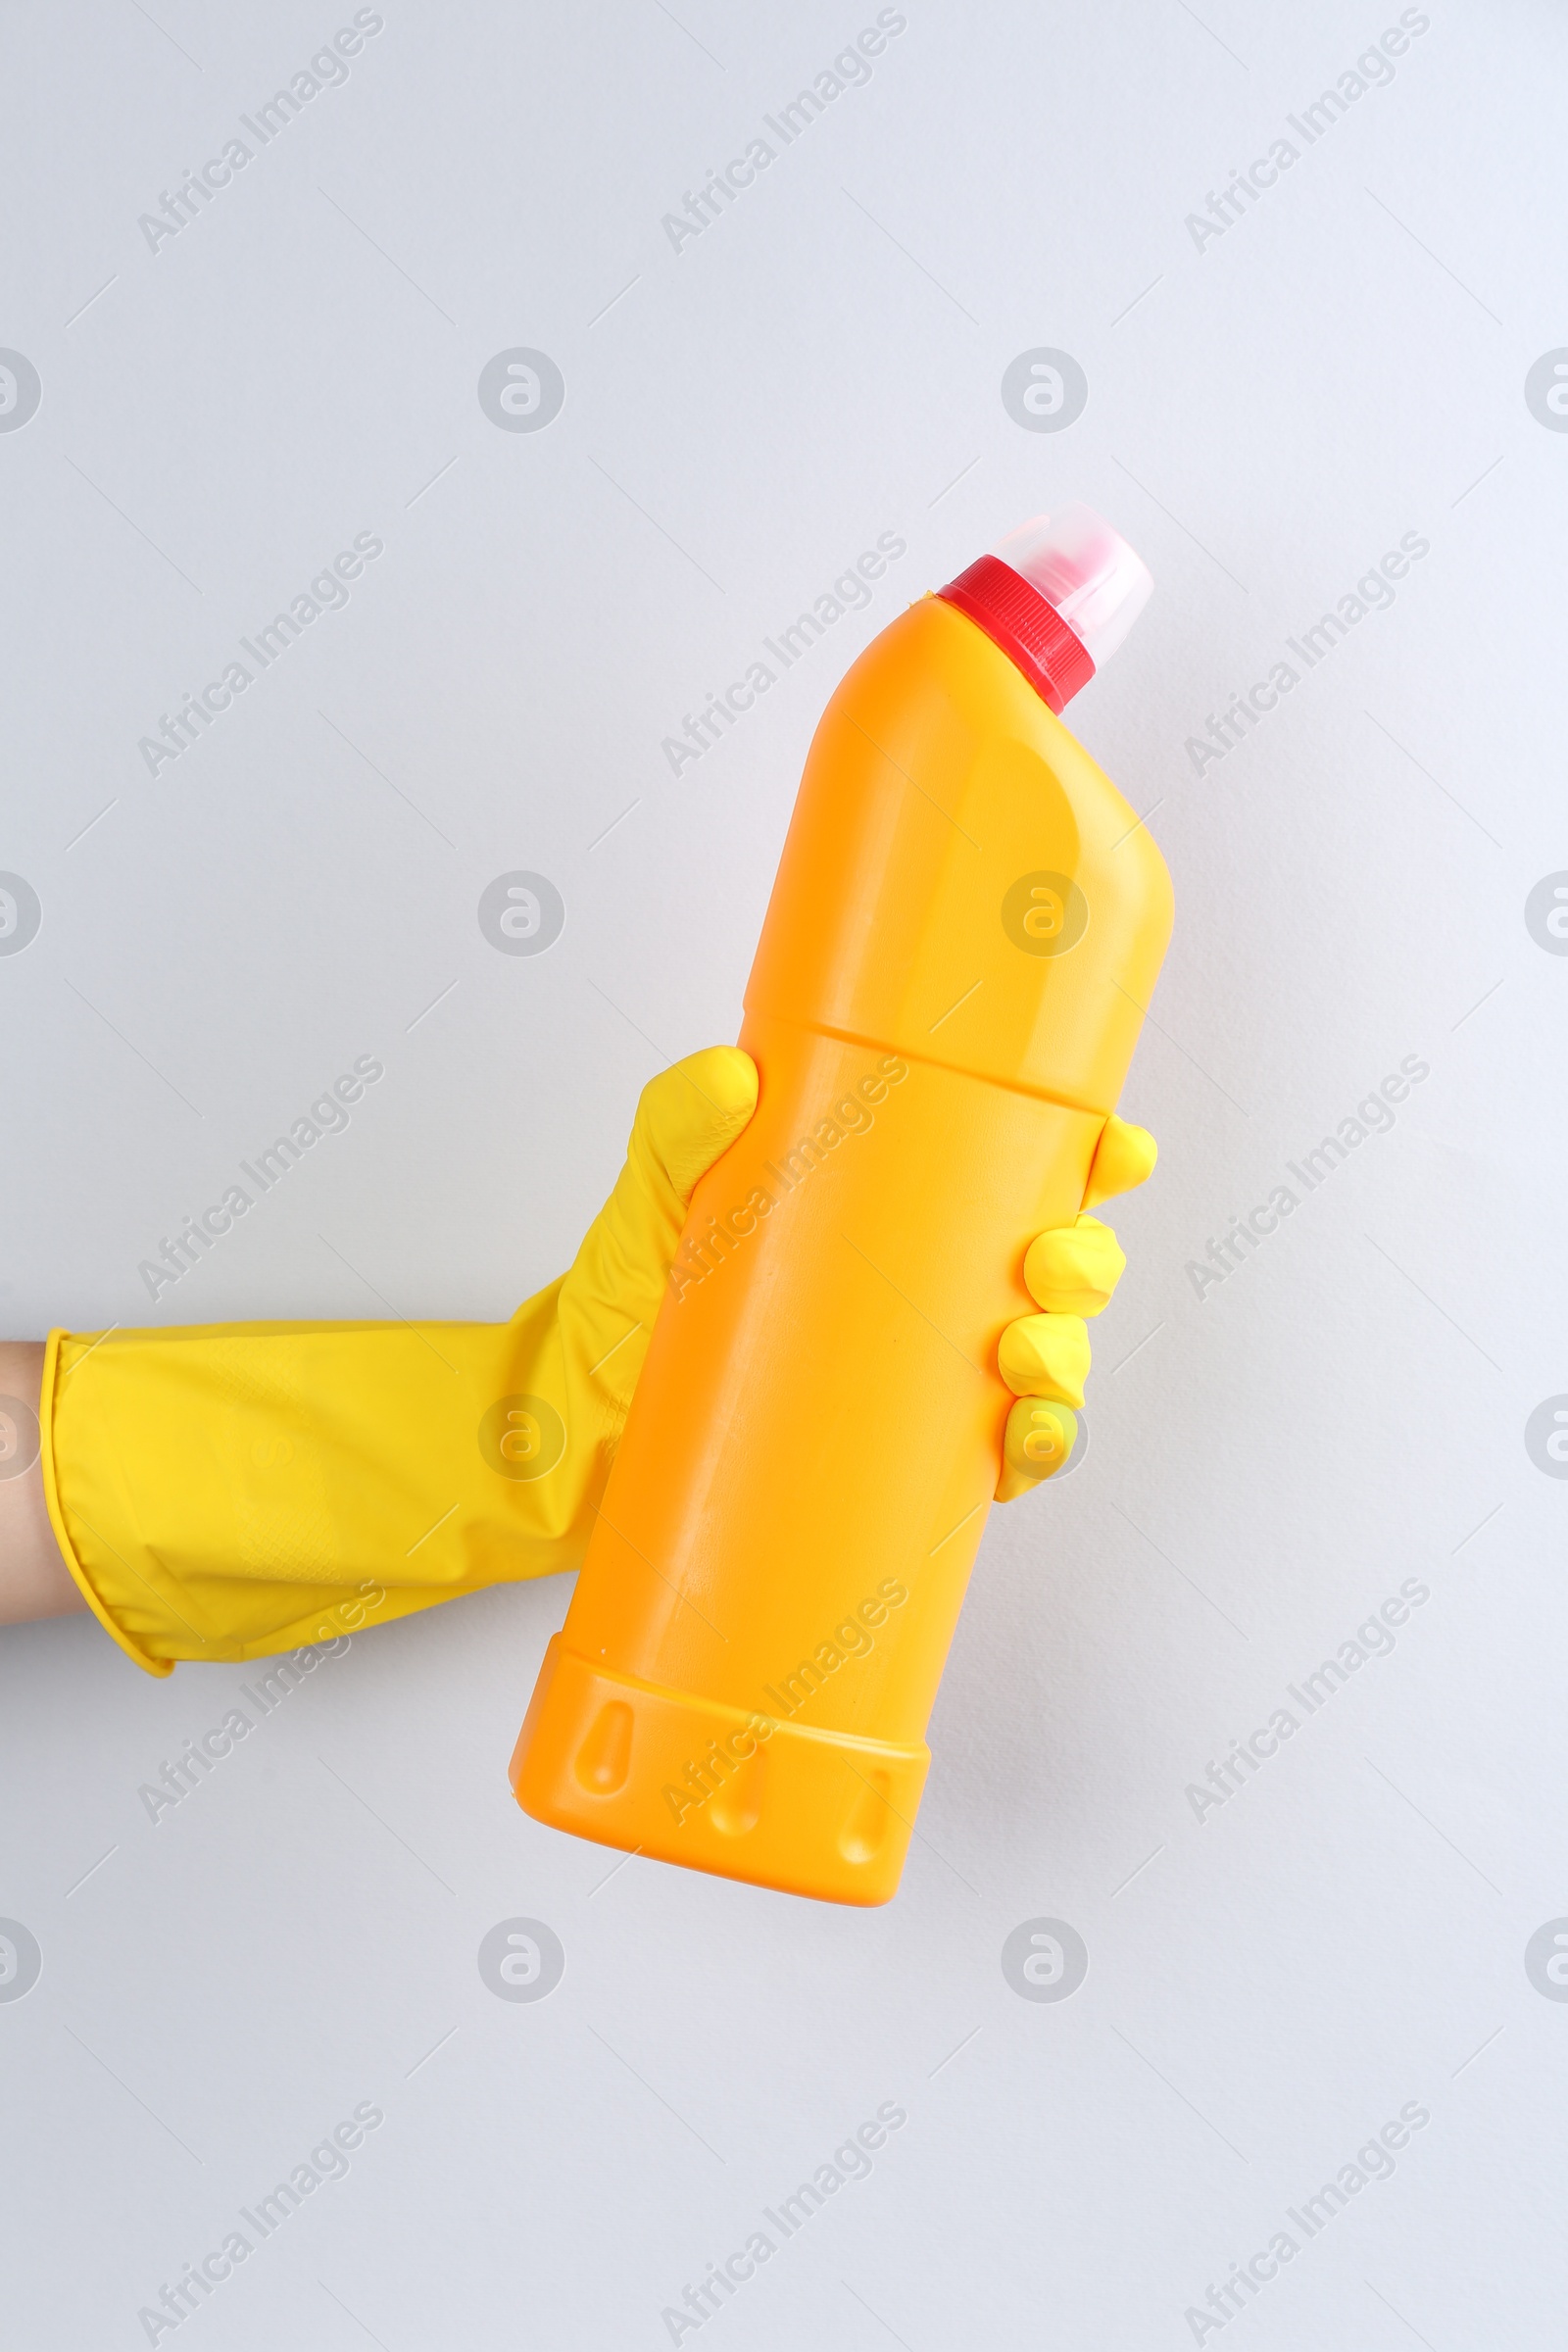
x: 741, y: 1794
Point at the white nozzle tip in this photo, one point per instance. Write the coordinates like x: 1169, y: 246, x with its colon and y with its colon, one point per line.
x: 1086, y: 570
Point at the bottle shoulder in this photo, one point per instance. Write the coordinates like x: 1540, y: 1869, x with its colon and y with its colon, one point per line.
x: 960, y: 876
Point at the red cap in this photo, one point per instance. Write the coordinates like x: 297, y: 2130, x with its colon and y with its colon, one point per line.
x: 1057, y: 596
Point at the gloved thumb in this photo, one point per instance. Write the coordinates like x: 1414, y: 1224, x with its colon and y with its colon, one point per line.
x: 686, y: 1118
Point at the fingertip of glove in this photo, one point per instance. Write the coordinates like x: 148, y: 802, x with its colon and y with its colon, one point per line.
x: 694, y: 1110
x: 1038, y: 1442
x: 1124, y: 1157
x: 725, y: 1080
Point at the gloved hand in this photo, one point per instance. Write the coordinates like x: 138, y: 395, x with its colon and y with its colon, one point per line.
x: 226, y: 1492
x: 229, y: 1490
x: 1070, y: 1272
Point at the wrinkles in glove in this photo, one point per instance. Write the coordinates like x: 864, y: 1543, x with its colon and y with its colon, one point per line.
x: 231, y: 1490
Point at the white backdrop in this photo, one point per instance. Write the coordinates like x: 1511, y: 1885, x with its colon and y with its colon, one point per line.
x: 1273, y: 404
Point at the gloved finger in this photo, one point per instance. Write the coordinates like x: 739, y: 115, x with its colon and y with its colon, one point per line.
x: 1073, y: 1269
x: 687, y: 1117
x: 1046, y: 1355
x: 1124, y: 1157
x: 1039, y: 1438
x: 692, y: 1113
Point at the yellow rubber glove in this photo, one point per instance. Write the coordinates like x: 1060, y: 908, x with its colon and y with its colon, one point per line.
x: 1070, y: 1272
x: 234, y: 1490
x: 226, y: 1492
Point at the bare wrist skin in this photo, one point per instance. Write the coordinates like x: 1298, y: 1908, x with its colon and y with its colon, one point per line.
x: 34, y: 1581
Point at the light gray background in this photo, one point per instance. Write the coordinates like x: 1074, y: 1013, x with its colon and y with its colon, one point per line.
x: 1266, y: 417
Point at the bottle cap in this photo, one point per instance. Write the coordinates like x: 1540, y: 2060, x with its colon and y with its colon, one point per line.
x: 1057, y: 596
x: 1085, y: 570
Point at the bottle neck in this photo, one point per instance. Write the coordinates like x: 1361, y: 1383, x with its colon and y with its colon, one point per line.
x: 1030, y: 631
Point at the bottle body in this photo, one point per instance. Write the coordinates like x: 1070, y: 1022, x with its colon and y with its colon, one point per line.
x: 966, y: 923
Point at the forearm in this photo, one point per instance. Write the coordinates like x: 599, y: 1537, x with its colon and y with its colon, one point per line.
x: 231, y: 1491
x: 34, y: 1580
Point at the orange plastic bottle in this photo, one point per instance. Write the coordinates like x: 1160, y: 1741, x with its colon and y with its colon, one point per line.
x: 966, y: 924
